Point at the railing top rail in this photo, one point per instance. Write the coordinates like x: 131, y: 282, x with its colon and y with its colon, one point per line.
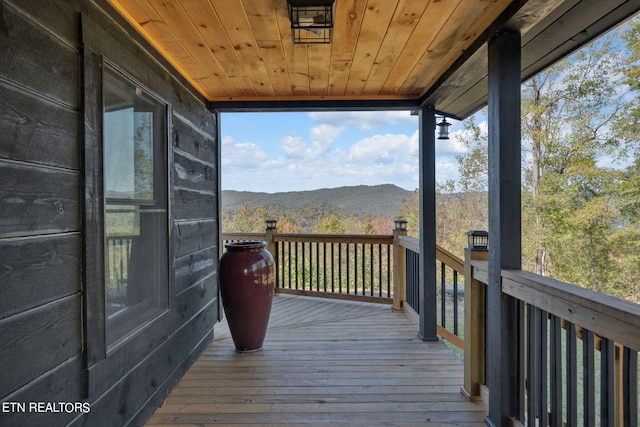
x: 334, y: 238
x: 450, y: 259
x: 442, y: 254
x: 603, y: 314
x: 242, y: 236
x: 122, y: 236
x: 410, y: 243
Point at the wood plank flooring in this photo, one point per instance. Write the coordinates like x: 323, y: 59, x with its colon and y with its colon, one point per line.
x: 325, y: 362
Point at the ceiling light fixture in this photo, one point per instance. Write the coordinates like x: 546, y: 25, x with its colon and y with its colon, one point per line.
x: 443, y: 129
x: 311, y: 21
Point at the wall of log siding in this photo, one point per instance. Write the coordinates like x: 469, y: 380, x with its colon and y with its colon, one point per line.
x: 51, y: 288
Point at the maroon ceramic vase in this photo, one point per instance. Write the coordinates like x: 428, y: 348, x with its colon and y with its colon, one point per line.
x: 247, y: 281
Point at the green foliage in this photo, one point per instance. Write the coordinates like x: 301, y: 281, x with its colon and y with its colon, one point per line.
x: 309, y: 211
x: 318, y: 217
x: 246, y: 219
x: 359, y: 201
x: 581, y: 216
x: 329, y: 225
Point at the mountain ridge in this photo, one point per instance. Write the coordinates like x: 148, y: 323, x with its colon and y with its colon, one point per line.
x: 384, y: 200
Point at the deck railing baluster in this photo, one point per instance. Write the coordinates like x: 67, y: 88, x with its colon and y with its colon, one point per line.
x: 443, y: 295
x: 318, y: 266
x: 544, y: 368
x: 555, y: 343
x: 355, y: 269
x: 380, y: 270
x: 572, y: 375
x: 289, y: 263
x: 532, y: 365
x: 630, y: 386
x: 324, y: 261
x: 455, y: 302
x: 371, y: 275
x: 588, y: 364
x: 298, y: 260
x: 607, y: 381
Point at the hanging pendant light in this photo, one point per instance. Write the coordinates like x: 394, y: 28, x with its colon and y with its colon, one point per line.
x: 443, y: 129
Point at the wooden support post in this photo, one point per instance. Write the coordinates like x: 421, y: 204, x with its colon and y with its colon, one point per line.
x: 270, y: 230
x: 505, y: 376
x: 474, y: 327
x: 427, y: 259
x: 399, y: 267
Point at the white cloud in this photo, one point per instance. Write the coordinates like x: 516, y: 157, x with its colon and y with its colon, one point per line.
x: 414, y: 145
x: 383, y: 149
x: 294, y: 147
x: 322, y: 137
x: 328, y: 157
x: 364, y: 120
x: 446, y: 171
x: 241, y: 154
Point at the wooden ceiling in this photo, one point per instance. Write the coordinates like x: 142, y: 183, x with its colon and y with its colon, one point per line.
x: 242, y: 49
x: 411, y: 52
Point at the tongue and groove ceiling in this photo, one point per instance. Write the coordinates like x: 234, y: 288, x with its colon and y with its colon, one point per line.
x: 397, y: 53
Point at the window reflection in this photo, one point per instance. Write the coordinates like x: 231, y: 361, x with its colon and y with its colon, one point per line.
x: 136, y: 265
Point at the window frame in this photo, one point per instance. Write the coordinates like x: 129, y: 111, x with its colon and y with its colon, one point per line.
x: 161, y: 195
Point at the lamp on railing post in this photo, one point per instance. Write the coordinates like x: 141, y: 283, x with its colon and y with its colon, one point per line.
x: 399, y: 266
x: 474, y: 315
x: 478, y: 240
x: 400, y: 224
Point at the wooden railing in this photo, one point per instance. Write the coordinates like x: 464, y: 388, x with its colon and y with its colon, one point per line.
x: 377, y: 268
x: 335, y: 264
x: 346, y: 266
x: 118, y: 253
x: 578, y: 349
x: 450, y: 291
x: 578, y: 352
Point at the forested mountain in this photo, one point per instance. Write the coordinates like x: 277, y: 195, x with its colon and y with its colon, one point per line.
x: 580, y: 189
x: 359, y: 201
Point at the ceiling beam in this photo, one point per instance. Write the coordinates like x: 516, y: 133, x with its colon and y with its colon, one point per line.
x: 314, y: 105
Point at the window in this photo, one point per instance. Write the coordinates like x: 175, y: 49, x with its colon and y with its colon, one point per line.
x: 136, y: 221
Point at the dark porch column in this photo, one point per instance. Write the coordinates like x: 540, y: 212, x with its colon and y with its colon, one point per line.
x: 503, y: 371
x: 427, y: 264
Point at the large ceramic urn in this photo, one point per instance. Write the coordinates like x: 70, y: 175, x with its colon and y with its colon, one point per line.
x: 247, y: 280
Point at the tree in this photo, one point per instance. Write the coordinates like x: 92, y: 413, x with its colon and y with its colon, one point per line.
x: 460, y: 205
x: 329, y: 225
x: 410, y: 212
x: 625, y: 238
x: 566, y: 111
x: 463, y: 205
x: 246, y: 219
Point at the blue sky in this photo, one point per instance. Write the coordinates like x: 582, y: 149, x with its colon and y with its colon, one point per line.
x: 274, y: 152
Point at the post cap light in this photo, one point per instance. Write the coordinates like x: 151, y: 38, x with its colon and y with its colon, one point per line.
x: 478, y: 240
x: 271, y: 224
x: 311, y: 21
x: 401, y: 224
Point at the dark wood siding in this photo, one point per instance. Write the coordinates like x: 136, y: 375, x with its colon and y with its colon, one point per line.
x: 40, y: 213
x: 52, y: 320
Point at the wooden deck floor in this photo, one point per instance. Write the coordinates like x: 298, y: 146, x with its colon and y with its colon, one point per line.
x: 325, y: 362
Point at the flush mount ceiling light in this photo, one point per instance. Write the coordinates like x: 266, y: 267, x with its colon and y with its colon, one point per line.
x: 311, y: 21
